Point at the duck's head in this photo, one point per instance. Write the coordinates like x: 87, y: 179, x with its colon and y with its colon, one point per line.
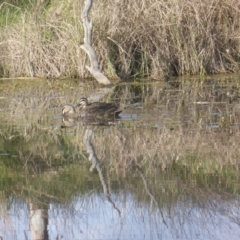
x: 68, y: 109
x: 83, y: 102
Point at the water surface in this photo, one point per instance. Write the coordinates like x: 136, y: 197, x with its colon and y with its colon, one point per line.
x: 167, y: 169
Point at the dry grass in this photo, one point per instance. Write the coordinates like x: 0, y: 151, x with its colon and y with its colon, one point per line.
x: 147, y: 38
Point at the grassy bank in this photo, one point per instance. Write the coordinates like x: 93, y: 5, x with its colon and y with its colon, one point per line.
x: 148, y: 38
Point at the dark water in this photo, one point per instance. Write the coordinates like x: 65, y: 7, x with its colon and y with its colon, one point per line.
x: 167, y: 169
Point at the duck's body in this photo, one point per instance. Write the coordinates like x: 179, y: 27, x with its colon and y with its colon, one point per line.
x: 97, y: 109
x: 91, y: 110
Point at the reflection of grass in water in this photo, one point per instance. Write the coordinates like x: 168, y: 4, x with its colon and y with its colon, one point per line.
x: 165, y: 165
x: 197, y: 156
x: 28, y: 99
x: 207, y: 174
x: 38, y: 163
x: 179, y: 164
x: 59, y: 184
x: 9, y: 175
x: 164, y: 149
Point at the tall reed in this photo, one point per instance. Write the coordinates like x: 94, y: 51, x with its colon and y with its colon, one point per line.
x: 132, y: 38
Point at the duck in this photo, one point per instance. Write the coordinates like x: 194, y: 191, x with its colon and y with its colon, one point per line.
x: 97, y: 109
x: 69, y: 110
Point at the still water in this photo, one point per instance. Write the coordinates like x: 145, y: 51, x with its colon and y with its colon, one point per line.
x: 167, y: 169
x: 92, y: 217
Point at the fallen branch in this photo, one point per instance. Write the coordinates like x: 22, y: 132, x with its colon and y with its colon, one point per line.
x: 87, y: 46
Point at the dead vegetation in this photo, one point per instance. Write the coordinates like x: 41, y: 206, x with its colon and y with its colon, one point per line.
x: 148, y: 38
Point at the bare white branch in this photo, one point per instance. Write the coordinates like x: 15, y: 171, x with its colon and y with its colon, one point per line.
x: 87, y: 46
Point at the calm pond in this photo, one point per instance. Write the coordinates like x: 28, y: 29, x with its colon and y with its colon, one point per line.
x: 168, y: 168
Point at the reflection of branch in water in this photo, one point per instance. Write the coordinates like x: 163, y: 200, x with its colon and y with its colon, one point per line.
x: 148, y: 189
x: 96, y: 164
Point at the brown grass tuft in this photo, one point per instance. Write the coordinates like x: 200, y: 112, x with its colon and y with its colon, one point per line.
x: 147, y: 38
